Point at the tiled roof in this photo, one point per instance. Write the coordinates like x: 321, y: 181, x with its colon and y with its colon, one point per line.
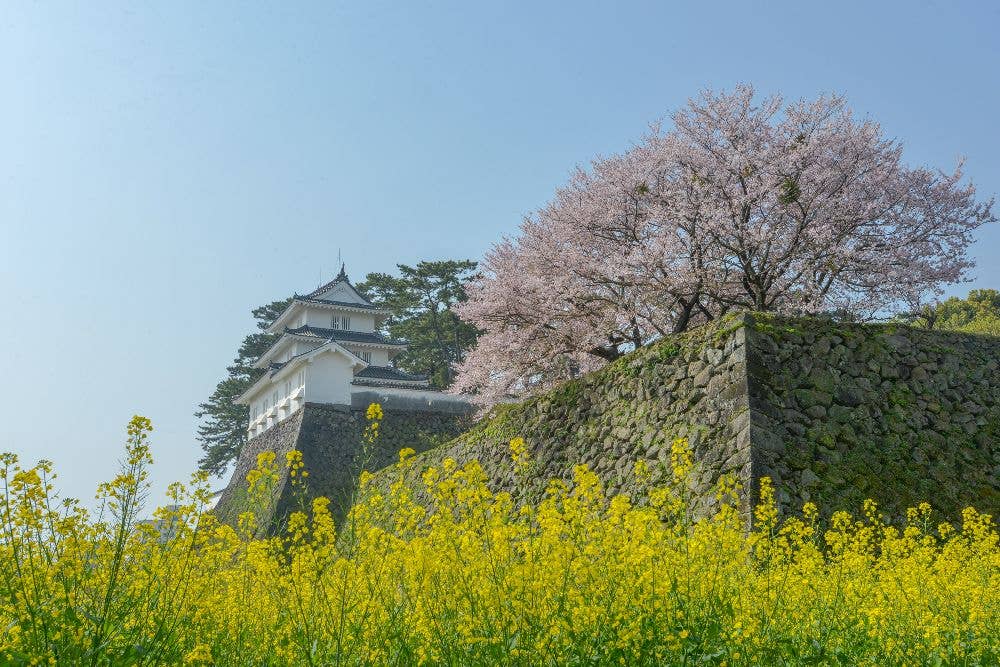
x: 342, y: 335
x: 341, y: 278
x: 329, y: 302
x: 388, y: 373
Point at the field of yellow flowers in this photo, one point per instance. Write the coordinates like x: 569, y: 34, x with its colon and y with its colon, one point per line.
x: 578, y: 579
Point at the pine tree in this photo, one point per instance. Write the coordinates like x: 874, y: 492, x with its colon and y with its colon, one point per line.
x: 223, y: 431
x: 420, y: 301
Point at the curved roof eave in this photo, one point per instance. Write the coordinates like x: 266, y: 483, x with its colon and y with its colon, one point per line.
x: 302, y: 302
x: 295, y: 362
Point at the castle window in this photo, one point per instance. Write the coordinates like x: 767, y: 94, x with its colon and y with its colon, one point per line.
x: 366, y: 356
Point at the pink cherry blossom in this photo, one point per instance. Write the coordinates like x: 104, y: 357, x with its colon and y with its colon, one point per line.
x: 741, y: 204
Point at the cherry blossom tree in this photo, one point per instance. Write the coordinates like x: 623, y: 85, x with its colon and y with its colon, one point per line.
x: 740, y: 204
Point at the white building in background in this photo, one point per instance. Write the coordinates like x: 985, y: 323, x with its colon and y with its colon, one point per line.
x: 331, y: 352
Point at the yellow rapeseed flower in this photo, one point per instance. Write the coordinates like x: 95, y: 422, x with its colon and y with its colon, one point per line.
x: 572, y: 571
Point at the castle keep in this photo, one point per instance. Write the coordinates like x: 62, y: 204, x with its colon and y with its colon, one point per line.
x: 329, y: 364
x: 330, y: 352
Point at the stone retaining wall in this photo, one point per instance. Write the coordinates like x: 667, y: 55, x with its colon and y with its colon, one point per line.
x: 833, y: 413
x: 841, y: 413
x: 692, y: 386
x: 334, y: 453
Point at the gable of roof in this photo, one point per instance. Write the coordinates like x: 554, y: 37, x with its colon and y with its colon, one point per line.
x: 264, y: 359
x: 339, y: 289
x: 275, y: 368
x: 321, y: 334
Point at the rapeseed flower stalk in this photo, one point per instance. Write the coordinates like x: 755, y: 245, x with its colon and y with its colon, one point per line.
x: 374, y: 415
x: 455, y: 573
x: 519, y: 455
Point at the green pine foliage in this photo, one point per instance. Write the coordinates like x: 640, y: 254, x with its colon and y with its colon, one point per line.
x: 420, y: 301
x: 223, y: 428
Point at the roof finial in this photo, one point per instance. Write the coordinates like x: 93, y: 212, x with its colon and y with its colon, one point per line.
x: 343, y: 273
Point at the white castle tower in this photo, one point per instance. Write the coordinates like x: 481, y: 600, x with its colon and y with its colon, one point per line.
x: 330, y: 352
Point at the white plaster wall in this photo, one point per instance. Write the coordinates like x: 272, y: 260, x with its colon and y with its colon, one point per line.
x: 276, y: 400
x: 328, y: 379
x: 362, y: 322
x: 302, y: 346
x: 280, y: 353
x: 379, y: 357
x: 320, y: 317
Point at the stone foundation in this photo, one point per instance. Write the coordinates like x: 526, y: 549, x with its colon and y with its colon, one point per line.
x: 833, y: 413
x: 334, y: 453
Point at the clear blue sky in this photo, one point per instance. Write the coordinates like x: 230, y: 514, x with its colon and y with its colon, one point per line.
x: 164, y: 169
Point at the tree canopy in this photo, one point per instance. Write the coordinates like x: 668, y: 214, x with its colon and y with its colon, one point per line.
x: 979, y: 312
x: 740, y: 204
x: 420, y: 300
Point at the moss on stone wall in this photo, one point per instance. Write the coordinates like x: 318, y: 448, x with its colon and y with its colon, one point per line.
x: 832, y: 412
x: 334, y: 452
x: 897, y: 414
x: 689, y: 386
